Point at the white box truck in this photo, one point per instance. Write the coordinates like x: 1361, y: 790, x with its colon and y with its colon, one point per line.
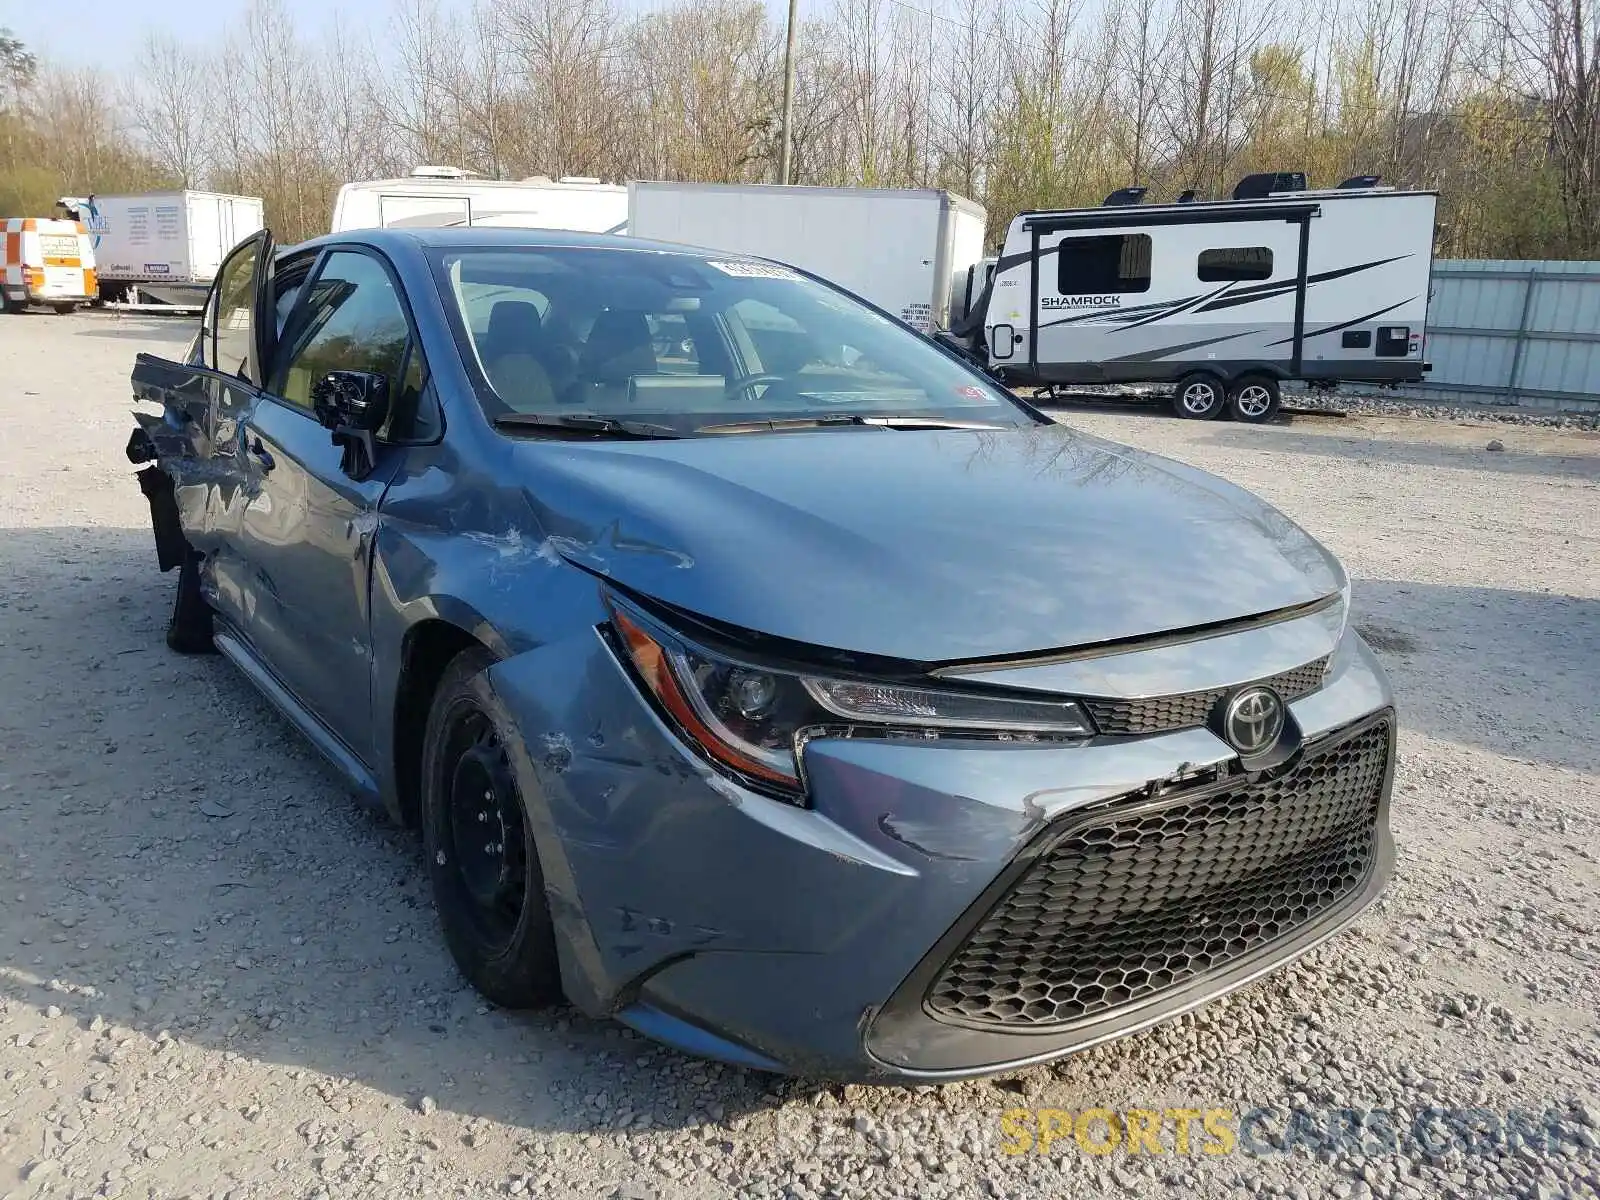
x: 906, y: 250
x: 443, y: 196
x: 164, y: 245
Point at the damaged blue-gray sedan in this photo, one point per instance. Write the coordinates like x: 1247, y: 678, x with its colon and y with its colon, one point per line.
x: 758, y: 673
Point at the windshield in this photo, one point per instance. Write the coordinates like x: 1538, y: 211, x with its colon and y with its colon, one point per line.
x: 693, y: 345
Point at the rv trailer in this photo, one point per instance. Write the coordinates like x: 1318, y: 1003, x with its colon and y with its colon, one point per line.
x: 442, y: 196
x: 1223, y: 299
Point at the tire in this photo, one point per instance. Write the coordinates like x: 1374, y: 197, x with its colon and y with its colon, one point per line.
x: 1254, y: 399
x: 64, y: 309
x: 1199, y: 397
x: 189, y: 630
x: 489, y: 892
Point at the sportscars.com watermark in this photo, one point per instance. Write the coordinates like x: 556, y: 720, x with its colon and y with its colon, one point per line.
x: 1273, y: 1131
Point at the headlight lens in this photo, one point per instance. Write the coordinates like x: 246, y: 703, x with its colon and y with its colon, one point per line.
x: 751, y: 718
x: 949, y: 710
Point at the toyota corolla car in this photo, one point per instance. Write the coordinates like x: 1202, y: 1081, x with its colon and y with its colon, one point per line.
x: 758, y: 673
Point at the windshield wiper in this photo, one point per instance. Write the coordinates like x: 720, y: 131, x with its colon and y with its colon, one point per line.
x: 825, y: 420
x: 584, y: 423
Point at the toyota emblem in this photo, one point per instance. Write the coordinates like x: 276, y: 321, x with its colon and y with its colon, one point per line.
x: 1253, y: 720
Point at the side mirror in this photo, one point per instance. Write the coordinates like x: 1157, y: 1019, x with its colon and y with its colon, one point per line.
x: 353, y: 405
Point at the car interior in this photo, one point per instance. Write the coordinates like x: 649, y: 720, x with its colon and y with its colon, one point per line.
x: 626, y: 344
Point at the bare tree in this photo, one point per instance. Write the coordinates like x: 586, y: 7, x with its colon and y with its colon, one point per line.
x: 567, y: 52
x: 1141, y: 32
x: 963, y: 120
x: 1558, y: 61
x: 1016, y: 103
x: 167, y: 100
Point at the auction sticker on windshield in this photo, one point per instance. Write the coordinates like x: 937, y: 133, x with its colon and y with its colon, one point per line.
x: 753, y: 270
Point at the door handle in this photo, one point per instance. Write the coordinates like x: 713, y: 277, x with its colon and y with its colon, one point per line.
x: 261, y: 454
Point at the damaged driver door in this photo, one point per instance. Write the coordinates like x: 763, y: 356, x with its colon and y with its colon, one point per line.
x: 199, y: 483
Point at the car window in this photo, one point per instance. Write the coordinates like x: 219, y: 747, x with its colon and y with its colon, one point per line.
x: 288, y: 279
x: 235, y: 308
x: 689, y: 341
x: 203, y: 350
x: 414, y: 413
x: 354, y: 320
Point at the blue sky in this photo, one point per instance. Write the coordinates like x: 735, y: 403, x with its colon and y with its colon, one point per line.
x: 108, y: 32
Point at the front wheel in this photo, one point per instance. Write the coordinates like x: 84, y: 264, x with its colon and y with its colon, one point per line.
x: 1254, y: 399
x: 481, y: 855
x: 1199, y: 397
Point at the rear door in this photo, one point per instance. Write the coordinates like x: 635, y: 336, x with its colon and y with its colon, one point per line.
x: 209, y: 231
x: 1092, y: 284
x: 204, y: 397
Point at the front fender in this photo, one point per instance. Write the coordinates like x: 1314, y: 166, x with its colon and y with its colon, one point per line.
x: 507, y: 592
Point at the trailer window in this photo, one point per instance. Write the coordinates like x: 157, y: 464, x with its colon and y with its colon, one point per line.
x: 1117, y: 263
x: 1230, y: 264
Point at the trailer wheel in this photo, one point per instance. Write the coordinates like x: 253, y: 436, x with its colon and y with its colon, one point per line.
x: 1254, y: 399
x: 1199, y: 397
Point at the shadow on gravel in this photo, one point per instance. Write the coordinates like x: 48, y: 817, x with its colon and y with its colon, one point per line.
x: 166, y: 336
x: 1381, y: 450
x: 1161, y: 407
x: 177, y: 858
x: 1511, y: 672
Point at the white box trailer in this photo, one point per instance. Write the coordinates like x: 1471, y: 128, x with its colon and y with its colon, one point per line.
x: 1225, y: 299
x: 903, y: 250
x: 167, y: 245
x: 433, y: 197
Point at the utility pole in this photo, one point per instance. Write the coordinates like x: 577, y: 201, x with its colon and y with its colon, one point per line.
x: 788, y: 96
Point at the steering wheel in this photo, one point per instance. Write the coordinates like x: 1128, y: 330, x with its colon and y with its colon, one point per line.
x: 745, y: 382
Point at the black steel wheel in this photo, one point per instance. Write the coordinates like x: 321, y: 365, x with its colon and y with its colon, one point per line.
x: 481, y: 854
x: 1254, y: 399
x: 1199, y: 397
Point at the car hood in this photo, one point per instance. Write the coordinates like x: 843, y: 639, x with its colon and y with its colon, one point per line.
x: 927, y: 546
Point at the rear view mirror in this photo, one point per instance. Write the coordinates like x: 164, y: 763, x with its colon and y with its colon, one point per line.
x: 353, y: 405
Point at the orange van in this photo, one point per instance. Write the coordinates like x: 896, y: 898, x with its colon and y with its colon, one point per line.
x: 47, y: 262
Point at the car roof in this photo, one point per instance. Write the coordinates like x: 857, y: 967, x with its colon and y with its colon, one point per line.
x: 481, y: 238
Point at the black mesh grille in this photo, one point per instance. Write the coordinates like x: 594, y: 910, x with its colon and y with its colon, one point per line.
x: 1160, y: 714
x: 1131, y: 906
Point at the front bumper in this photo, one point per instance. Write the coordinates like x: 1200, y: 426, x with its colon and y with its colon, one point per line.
x: 738, y: 927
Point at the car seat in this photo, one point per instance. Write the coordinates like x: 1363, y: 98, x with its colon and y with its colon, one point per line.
x: 618, y: 348
x: 510, y: 352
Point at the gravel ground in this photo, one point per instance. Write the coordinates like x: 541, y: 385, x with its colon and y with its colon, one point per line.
x: 218, y: 977
x: 1390, y: 404
x: 1348, y: 402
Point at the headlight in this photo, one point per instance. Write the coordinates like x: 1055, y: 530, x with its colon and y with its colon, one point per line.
x: 753, y: 719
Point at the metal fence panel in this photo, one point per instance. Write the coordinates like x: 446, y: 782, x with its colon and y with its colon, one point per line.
x: 1503, y: 331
